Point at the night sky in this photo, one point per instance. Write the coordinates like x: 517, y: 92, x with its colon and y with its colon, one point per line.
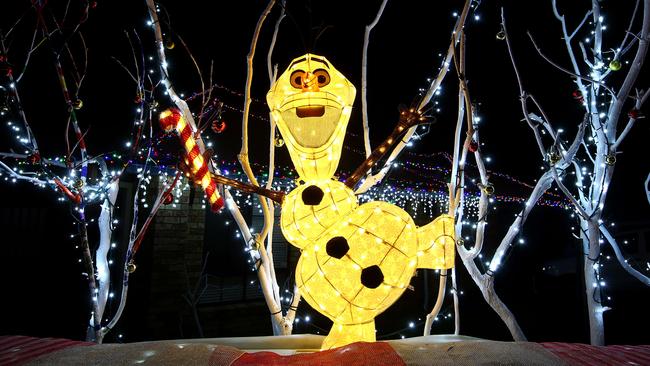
x: 39, y: 273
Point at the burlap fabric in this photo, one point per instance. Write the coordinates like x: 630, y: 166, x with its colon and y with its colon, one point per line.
x: 475, y: 353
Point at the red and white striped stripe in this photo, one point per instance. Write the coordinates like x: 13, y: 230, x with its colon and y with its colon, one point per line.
x: 172, y: 119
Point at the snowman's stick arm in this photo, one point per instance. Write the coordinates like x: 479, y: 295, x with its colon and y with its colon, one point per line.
x: 276, y: 196
x: 407, y: 119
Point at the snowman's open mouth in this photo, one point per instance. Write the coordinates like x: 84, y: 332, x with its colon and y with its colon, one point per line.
x: 310, y: 111
x: 311, y: 118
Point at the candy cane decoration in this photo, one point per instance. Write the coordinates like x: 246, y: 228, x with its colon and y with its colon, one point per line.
x: 172, y: 120
x: 74, y: 197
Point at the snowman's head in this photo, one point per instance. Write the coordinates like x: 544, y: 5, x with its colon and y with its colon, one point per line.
x: 311, y: 104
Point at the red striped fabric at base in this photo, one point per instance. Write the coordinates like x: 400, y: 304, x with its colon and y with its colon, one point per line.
x: 360, y: 353
x: 584, y: 354
x: 17, y: 350
x: 20, y: 350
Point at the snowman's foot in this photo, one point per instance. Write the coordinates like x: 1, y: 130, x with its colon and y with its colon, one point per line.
x: 342, y: 334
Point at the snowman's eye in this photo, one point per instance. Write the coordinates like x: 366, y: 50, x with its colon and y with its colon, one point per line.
x: 296, y: 79
x: 323, y: 77
x: 337, y: 247
x: 372, y: 276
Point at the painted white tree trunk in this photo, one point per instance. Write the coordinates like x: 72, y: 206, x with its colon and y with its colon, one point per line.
x: 456, y: 302
x: 647, y: 188
x: 93, y: 328
x: 101, y: 256
x: 442, y: 286
x: 591, y: 248
x: 603, y: 109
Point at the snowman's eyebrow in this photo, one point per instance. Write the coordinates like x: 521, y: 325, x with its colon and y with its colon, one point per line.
x: 321, y: 61
x: 297, y: 61
x: 311, y: 59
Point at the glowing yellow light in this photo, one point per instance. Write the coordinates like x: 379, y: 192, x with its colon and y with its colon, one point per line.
x: 356, y: 260
x: 298, y: 109
x: 437, y: 242
x: 172, y: 120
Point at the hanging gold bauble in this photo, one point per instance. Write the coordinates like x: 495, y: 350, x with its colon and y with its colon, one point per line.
x: 79, y: 183
x: 278, y: 142
x: 501, y: 35
x: 130, y: 267
x: 554, y: 157
x: 488, y: 189
x: 610, y: 159
x: 78, y: 104
x: 615, y: 65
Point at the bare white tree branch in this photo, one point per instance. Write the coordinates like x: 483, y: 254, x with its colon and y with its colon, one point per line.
x: 364, y: 79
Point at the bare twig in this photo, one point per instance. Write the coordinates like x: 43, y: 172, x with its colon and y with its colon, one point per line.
x: 243, y: 153
x: 200, y: 75
x: 640, y: 100
x: 557, y: 66
x: 621, y: 260
x: 364, y: 78
x: 373, y: 179
x: 276, y: 30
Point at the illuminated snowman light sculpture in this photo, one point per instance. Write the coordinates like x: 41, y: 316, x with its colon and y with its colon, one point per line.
x: 356, y: 260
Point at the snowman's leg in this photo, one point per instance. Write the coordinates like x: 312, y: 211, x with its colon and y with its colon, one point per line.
x: 342, y: 334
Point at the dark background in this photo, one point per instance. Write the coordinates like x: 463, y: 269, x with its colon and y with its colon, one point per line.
x: 44, y: 294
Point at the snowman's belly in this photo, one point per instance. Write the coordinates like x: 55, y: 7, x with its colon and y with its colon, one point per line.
x: 361, y: 264
x: 310, y: 209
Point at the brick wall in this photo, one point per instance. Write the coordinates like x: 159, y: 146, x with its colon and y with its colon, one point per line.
x: 177, y: 243
x: 177, y: 254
